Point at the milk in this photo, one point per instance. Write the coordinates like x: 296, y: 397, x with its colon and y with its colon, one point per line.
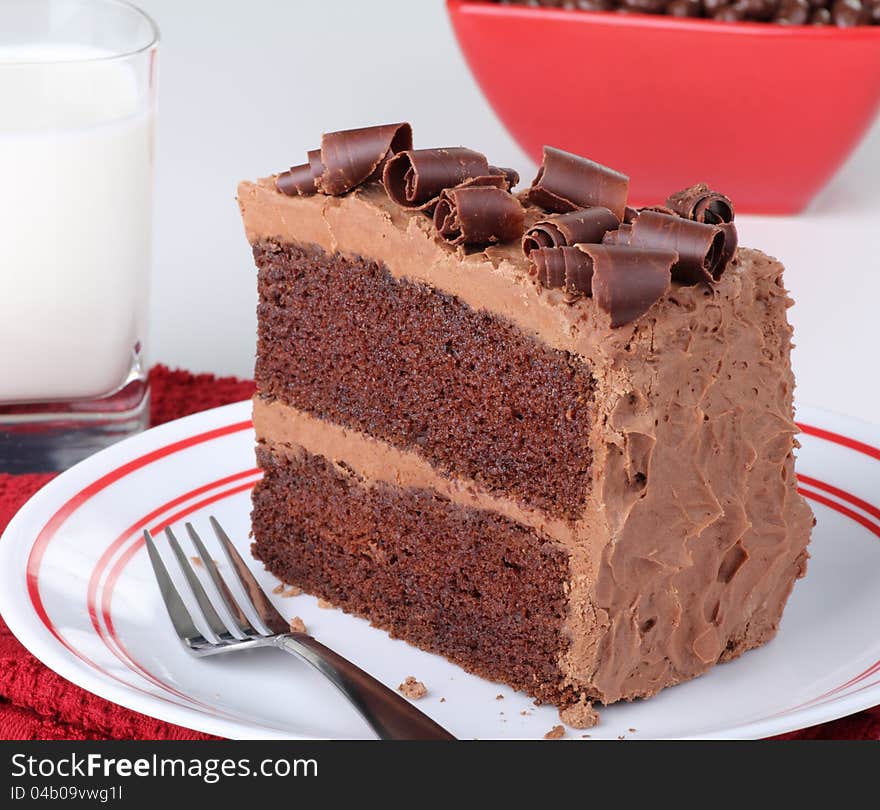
x: 76, y: 147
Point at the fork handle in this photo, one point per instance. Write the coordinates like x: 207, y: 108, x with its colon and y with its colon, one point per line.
x: 390, y: 715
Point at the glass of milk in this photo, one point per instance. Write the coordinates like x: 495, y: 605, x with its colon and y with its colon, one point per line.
x: 77, y: 103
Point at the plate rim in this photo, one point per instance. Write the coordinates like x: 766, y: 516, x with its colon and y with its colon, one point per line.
x: 23, y: 621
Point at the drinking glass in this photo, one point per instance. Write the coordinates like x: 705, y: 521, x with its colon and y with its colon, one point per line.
x: 77, y: 109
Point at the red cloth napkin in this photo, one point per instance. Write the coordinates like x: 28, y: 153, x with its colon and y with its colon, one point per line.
x: 37, y: 704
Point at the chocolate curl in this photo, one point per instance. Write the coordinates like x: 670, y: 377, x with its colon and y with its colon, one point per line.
x: 659, y: 209
x: 628, y: 281
x: 622, y: 236
x: 414, y: 178
x: 563, y: 268
x: 511, y: 176
x: 701, y: 204
x: 479, y: 213
x: 566, y: 182
x: 301, y: 179
x: 731, y: 239
x: 352, y: 156
x: 583, y: 225
x: 630, y: 214
x: 700, y: 247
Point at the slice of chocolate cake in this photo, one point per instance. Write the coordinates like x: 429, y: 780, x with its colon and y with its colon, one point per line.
x: 545, y: 435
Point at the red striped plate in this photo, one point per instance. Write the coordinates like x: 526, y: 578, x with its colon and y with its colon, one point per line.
x: 77, y: 590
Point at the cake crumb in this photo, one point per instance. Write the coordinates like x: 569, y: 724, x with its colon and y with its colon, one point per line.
x: 279, y: 588
x: 586, y: 736
x: 412, y: 688
x: 526, y: 713
x: 324, y: 604
x: 555, y: 733
x: 291, y: 591
x: 621, y: 737
x: 631, y: 730
x: 297, y: 625
x: 580, y: 714
x: 197, y: 562
x: 499, y: 697
x: 443, y: 700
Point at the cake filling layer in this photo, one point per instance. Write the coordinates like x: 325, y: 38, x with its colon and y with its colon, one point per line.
x: 477, y: 587
x: 286, y: 430
x: 344, y: 340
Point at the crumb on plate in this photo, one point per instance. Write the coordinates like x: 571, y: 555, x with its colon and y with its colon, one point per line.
x: 297, y: 625
x: 412, y: 688
x: 580, y: 714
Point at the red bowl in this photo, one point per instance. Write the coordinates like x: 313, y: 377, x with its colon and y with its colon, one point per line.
x: 765, y: 113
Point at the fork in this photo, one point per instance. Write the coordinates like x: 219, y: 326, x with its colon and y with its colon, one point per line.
x: 388, y: 714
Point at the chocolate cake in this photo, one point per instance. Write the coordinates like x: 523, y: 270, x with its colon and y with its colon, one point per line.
x: 543, y: 434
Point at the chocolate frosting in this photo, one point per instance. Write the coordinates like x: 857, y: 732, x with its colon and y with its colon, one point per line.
x: 479, y: 213
x: 701, y: 204
x: 566, y: 182
x: 628, y: 281
x: 582, y: 225
x: 700, y: 247
x: 416, y: 177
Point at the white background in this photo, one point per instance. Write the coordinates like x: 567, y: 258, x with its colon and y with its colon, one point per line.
x: 247, y: 87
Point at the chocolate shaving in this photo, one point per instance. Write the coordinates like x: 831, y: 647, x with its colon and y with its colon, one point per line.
x: 629, y: 214
x: 352, y: 156
x: 700, y: 247
x: 510, y: 175
x: 658, y: 209
x: 628, y: 281
x: 701, y: 204
x: 479, y: 213
x: 622, y: 236
x: 731, y: 239
x: 301, y: 179
x: 414, y: 178
x: 582, y: 225
x: 566, y: 182
x: 563, y: 268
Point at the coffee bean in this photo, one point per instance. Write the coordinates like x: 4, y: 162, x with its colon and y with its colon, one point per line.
x: 684, y: 8
x: 793, y: 12
x: 847, y: 13
x: 729, y: 14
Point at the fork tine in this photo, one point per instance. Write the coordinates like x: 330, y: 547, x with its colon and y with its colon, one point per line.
x: 273, y: 622
x: 215, y: 623
x: 240, y: 623
x: 177, y: 610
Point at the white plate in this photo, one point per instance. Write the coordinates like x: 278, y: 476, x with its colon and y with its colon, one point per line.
x: 76, y: 588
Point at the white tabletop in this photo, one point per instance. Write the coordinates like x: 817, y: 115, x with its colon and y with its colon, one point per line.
x: 247, y: 88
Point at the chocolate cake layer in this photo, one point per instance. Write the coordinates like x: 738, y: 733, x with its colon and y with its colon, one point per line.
x: 341, y: 338
x: 483, y: 590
